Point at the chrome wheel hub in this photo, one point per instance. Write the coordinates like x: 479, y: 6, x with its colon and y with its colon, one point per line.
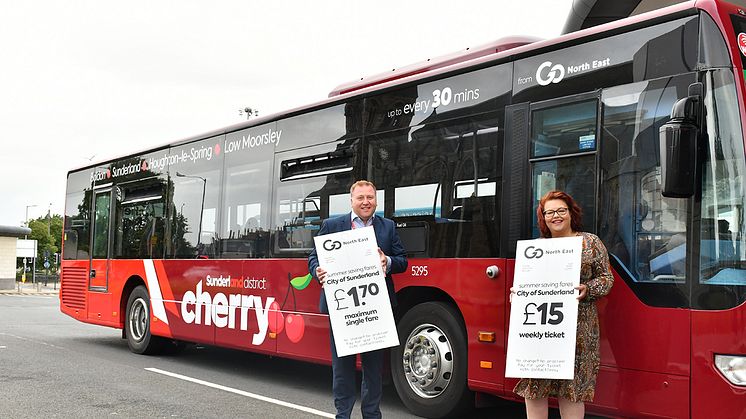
x: 138, y: 319
x: 428, y: 361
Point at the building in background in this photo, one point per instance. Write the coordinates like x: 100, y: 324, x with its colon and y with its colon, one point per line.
x: 8, y: 240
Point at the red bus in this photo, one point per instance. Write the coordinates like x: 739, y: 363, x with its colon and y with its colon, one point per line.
x: 641, y: 120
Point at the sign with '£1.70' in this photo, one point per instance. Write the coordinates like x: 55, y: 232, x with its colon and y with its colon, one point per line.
x: 355, y: 287
x: 544, y: 309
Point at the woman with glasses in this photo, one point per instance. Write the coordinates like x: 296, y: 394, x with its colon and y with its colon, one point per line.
x: 558, y: 215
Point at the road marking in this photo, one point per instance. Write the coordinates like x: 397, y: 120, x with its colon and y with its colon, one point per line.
x: 243, y: 393
x: 3, y: 347
x: 31, y: 340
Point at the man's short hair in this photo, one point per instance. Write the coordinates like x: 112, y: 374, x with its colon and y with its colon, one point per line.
x: 362, y: 182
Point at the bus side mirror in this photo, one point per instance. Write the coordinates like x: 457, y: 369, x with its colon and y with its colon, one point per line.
x: 678, y: 148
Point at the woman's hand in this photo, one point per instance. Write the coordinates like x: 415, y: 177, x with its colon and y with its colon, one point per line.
x: 512, y: 291
x: 583, y: 291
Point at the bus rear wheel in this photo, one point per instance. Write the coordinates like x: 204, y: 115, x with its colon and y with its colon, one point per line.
x: 429, y: 367
x: 137, y: 324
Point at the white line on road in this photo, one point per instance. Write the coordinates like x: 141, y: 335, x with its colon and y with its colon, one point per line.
x: 3, y: 347
x: 242, y: 393
x: 31, y: 340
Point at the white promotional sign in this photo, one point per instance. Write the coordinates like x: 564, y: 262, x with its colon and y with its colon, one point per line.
x: 26, y: 248
x: 355, y: 288
x: 544, y: 310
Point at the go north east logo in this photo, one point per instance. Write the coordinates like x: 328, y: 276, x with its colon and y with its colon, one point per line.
x: 331, y: 245
x: 532, y: 252
x: 549, y: 72
x: 555, y: 74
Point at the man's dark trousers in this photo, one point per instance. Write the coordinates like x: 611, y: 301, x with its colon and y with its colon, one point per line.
x: 343, y: 384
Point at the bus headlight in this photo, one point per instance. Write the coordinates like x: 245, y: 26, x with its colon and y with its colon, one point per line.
x: 733, y: 368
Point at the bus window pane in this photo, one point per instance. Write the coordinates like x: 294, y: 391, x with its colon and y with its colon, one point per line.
x: 564, y: 129
x: 101, y: 226
x: 140, y: 220
x: 340, y: 204
x: 642, y: 230
x: 336, y: 123
x: 478, y: 188
x: 576, y: 176
x: 303, y: 202
x: 245, y: 231
x: 299, y: 216
x: 444, y: 178
x: 77, y: 222
x: 195, y: 172
x: 417, y: 200
x: 723, y: 225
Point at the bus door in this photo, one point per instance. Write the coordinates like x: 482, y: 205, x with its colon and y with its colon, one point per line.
x: 100, y: 246
x: 550, y: 145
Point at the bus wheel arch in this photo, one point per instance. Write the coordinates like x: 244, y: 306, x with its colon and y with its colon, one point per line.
x: 137, y: 323
x: 429, y: 367
x: 132, y: 282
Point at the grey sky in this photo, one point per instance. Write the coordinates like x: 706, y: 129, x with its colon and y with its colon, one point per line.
x: 103, y: 78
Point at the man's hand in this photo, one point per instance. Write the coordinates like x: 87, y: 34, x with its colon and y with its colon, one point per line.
x: 321, y: 275
x: 384, y: 261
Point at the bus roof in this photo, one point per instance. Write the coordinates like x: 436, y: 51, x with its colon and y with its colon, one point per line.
x: 505, y: 49
x: 498, y: 46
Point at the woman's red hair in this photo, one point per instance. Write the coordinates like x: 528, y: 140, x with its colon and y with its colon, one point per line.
x: 576, y: 213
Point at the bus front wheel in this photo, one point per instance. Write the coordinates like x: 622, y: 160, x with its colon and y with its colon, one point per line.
x: 137, y: 324
x: 429, y: 367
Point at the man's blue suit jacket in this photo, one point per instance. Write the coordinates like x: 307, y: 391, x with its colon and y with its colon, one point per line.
x: 388, y: 241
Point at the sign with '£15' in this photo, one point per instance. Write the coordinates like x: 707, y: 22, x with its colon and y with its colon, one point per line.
x: 544, y: 309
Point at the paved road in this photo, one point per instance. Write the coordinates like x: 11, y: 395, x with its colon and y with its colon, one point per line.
x: 54, y: 366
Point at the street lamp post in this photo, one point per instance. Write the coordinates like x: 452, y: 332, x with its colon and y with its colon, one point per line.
x: 49, y: 233
x: 202, y: 206
x: 23, y: 275
x: 27, y: 207
x: 49, y: 219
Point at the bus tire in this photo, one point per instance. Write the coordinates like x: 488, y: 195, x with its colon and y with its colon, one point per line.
x: 137, y: 324
x: 429, y: 367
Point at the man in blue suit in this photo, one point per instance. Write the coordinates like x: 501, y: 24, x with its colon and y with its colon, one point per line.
x: 393, y: 260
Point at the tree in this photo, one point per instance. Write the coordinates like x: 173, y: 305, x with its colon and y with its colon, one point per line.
x: 47, y: 231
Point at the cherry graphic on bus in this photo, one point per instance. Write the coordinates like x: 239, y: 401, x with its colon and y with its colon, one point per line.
x: 293, y: 324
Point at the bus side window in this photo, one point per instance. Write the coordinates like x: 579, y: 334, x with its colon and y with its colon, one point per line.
x: 444, y: 178
x: 139, y: 228
x: 313, y: 184
x: 244, y: 231
x: 77, y: 225
x: 300, y: 220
